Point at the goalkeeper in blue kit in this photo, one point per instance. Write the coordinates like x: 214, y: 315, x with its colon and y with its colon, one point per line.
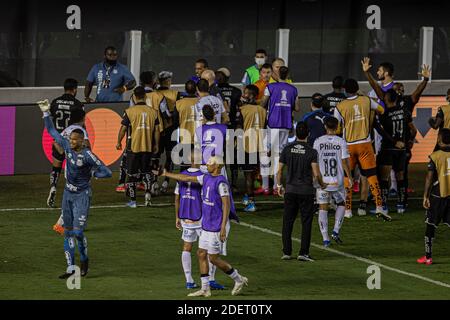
x: 81, y: 165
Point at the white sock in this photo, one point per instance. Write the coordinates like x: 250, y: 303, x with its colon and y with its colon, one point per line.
x: 339, y: 218
x: 235, y: 276
x: 323, y: 224
x: 60, y: 220
x: 187, y: 267
x: 265, y: 182
x: 393, y: 181
x: 212, y: 271
x: 205, y: 283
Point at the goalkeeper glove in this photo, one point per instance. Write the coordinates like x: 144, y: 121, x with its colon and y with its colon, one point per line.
x: 44, y: 105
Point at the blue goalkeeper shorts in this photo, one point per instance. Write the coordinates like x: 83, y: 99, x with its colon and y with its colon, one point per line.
x: 75, y: 208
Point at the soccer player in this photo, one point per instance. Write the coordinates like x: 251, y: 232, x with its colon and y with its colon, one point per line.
x: 207, y: 99
x: 188, y: 205
x: 280, y: 98
x: 333, y: 158
x: 436, y: 197
x: 315, y: 119
x: 251, y: 74
x: 211, y: 136
x: 302, y: 169
x: 217, y: 210
x: 76, y: 122
x: 232, y: 96
x: 169, y: 125
x: 332, y: 99
x: 147, y: 79
x: 442, y: 119
x: 156, y: 100
x: 185, y: 116
x: 253, y: 121
x: 393, y: 126
x: 143, y: 127
x: 188, y: 209
x: 81, y: 165
x: 354, y: 115
x: 61, y: 110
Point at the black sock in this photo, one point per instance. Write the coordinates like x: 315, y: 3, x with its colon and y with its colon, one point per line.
x: 363, y: 204
x: 131, y: 186
x: 429, y: 237
x: 384, y: 186
x: 54, y: 175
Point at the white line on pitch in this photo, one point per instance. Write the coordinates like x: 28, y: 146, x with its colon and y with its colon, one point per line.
x: 348, y: 255
x: 123, y: 206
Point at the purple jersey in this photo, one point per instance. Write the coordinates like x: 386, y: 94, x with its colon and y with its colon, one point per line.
x: 211, y: 137
x: 190, y: 198
x: 281, y: 104
x: 384, y: 88
x: 212, y: 203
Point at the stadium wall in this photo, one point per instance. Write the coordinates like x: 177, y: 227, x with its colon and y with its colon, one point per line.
x: 25, y: 146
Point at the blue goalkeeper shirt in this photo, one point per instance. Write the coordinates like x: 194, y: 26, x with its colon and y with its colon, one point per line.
x: 80, y: 166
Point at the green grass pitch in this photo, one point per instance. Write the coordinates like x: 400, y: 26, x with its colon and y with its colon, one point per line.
x: 135, y: 253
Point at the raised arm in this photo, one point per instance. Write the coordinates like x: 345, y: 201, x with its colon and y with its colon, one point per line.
x: 365, y: 63
x: 59, y: 139
x: 426, y: 73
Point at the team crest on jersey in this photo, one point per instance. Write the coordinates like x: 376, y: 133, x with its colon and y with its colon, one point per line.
x: 284, y: 96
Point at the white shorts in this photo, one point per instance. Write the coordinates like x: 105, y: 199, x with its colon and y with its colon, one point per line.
x: 210, y: 241
x: 278, y: 139
x: 324, y: 197
x: 191, y: 234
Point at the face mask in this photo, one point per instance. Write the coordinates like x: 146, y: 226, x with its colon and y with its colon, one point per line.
x: 111, y: 62
x: 260, y: 61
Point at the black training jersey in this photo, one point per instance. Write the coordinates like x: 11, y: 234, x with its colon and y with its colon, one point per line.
x: 61, y: 109
x: 395, y: 124
x: 298, y: 157
x: 407, y: 103
x: 232, y: 95
x: 331, y: 100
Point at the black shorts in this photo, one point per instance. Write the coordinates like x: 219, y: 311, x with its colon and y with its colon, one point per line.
x: 140, y: 162
x: 56, y: 155
x: 165, y: 142
x: 439, y: 211
x: 394, y: 158
x: 251, y: 162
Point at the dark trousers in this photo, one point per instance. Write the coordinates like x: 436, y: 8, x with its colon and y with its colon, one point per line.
x: 292, y: 204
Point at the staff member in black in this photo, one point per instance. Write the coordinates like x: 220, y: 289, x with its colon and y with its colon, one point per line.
x: 302, y: 167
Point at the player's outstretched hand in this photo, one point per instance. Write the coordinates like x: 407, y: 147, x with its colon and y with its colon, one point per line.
x: 44, y: 105
x: 426, y: 72
x: 365, y: 63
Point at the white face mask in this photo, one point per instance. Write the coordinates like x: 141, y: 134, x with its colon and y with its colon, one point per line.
x: 260, y: 61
